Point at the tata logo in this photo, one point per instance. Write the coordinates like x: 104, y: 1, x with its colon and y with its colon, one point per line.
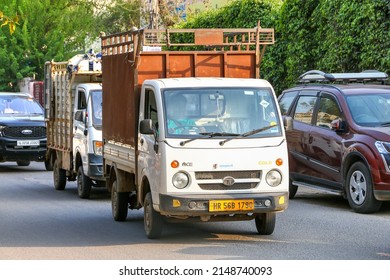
x: 26, y: 131
x: 228, y: 181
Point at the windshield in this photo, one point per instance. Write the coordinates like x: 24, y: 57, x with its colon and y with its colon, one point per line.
x: 19, y: 105
x: 97, y: 110
x: 370, y: 109
x: 220, y: 112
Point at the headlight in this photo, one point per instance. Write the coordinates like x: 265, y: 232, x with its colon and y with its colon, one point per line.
x: 98, y: 148
x: 1, y: 129
x: 273, y: 178
x: 180, y: 180
x: 383, y: 147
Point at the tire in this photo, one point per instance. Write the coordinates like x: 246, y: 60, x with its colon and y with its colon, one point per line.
x: 292, y: 190
x: 153, y: 222
x: 359, y: 189
x: 265, y: 223
x: 23, y: 162
x: 84, y: 184
x: 59, y: 176
x: 119, y: 203
x: 49, y: 164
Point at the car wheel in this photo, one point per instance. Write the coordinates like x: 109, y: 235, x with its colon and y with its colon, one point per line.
x: 153, y: 221
x: 84, y: 184
x: 59, y: 176
x: 23, y: 162
x: 265, y: 223
x: 119, y: 203
x: 292, y: 190
x: 359, y: 189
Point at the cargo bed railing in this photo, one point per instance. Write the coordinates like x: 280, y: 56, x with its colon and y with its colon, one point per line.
x: 235, y: 40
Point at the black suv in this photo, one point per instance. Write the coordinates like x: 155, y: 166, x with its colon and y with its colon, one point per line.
x: 22, y: 129
x: 340, y: 136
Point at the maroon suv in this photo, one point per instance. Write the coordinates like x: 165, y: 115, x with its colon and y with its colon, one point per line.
x: 340, y: 140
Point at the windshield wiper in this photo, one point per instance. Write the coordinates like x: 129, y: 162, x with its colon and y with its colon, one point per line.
x: 214, y: 134
x: 209, y: 135
x: 246, y: 134
x: 385, y: 124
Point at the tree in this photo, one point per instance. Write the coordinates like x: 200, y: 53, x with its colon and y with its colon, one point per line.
x: 11, y: 22
x: 119, y: 17
x: 328, y: 35
x: 293, y: 52
x: 48, y: 30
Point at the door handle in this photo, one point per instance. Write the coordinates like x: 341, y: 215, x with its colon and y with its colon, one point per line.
x: 141, y: 141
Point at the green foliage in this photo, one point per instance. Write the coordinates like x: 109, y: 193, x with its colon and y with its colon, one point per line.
x: 292, y: 53
x: 236, y: 14
x: 329, y: 35
x: 120, y: 17
x: 355, y: 35
x: 8, y: 21
x: 47, y: 30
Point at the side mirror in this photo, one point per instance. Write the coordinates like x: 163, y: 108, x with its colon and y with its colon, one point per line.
x: 288, y: 123
x: 79, y: 116
x: 146, y: 127
x: 338, y: 125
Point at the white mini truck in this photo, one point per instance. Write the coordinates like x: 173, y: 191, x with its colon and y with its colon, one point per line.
x: 191, y: 148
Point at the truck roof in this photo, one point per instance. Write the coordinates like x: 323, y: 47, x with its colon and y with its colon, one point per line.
x: 90, y: 86
x: 208, y: 82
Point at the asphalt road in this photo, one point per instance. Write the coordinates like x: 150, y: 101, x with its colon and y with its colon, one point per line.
x: 39, y: 223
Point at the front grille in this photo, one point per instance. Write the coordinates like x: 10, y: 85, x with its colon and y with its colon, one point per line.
x: 37, y: 132
x: 213, y: 180
x: 221, y: 187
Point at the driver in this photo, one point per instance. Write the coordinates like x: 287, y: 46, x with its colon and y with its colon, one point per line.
x: 177, y: 119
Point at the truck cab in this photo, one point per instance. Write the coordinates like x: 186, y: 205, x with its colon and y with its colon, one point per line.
x: 87, y: 135
x: 220, y: 155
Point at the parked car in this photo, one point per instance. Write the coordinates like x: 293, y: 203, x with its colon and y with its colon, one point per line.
x: 340, y: 141
x: 22, y: 129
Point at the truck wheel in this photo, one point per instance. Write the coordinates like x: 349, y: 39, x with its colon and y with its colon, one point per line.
x: 49, y: 164
x: 119, y: 203
x: 265, y: 223
x: 59, y: 176
x: 84, y: 184
x: 153, y: 222
x: 359, y: 189
x: 23, y: 162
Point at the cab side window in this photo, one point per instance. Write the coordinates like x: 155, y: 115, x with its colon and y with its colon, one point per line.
x: 328, y: 111
x: 304, y: 110
x: 82, y: 100
x: 150, y: 107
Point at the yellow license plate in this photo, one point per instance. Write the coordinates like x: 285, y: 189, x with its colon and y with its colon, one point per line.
x: 231, y: 205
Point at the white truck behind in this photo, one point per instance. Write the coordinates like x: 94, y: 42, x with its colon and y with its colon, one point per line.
x: 73, y: 113
x: 227, y: 161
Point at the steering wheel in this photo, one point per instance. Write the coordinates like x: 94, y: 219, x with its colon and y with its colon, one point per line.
x: 186, y: 129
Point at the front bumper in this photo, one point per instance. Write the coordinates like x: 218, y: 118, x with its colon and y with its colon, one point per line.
x: 95, y: 170
x: 198, y: 205
x: 10, y: 151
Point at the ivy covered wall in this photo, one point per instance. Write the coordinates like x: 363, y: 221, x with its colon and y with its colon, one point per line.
x: 327, y: 35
